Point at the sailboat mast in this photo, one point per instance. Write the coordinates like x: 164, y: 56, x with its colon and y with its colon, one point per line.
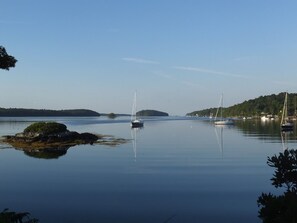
x: 135, y: 98
x: 284, y: 113
x: 219, y: 108
x: 222, y: 107
x: 133, y: 113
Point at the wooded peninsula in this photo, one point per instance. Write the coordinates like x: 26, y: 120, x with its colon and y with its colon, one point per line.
x: 263, y: 105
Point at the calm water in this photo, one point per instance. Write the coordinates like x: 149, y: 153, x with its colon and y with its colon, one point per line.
x: 183, y: 170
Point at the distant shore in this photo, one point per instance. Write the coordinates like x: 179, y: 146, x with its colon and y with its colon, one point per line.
x: 22, y: 112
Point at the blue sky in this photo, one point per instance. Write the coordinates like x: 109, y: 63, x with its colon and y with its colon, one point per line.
x: 179, y: 55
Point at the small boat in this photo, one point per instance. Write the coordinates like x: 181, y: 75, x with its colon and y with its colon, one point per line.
x: 225, y: 122
x: 222, y: 121
x: 135, y: 122
x: 286, y: 125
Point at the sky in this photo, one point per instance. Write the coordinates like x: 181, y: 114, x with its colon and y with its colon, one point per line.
x: 178, y: 55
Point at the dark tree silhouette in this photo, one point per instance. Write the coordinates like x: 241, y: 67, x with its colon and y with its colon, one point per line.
x: 286, y: 170
x: 281, y: 208
x: 6, y: 61
x: 7, y: 216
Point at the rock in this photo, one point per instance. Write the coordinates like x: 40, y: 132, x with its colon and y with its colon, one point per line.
x: 48, y: 135
x: 43, y: 141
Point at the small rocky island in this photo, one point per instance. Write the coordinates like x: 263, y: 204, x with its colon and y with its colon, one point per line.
x: 149, y: 112
x: 52, y: 139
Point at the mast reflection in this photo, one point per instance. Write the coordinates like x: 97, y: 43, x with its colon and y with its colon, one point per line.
x: 134, y: 132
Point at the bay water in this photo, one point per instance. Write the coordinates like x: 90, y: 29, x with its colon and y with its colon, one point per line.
x: 174, y: 169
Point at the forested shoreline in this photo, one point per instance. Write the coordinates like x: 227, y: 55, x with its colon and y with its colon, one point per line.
x: 263, y: 105
x: 22, y: 112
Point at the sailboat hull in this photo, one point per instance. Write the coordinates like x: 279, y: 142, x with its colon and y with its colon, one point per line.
x: 287, y: 127
x: 224, y: 122
x: 136, y: 124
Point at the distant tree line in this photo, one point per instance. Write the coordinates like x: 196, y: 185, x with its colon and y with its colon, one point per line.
x: 271, y: 104
x: 151, y: 113
x: 21, y: 112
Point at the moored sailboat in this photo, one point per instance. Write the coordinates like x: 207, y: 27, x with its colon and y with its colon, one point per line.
x: 286, y: 125
x: 222, y: 121
x: 135, y: 122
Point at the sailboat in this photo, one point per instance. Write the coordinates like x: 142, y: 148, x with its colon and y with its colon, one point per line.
x: 222, y: 121
x: 285, y: 124
x: 135, y: 122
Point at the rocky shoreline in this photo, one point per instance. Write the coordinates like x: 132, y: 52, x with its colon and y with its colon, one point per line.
x: 53, y: 139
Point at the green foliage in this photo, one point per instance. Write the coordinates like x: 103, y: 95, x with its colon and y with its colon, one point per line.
x: 205, y: 112
x: 112, y: 115
x: 151, y: 113
x: 271, y: 104
x: 6, y: 61
x: 45, y: 128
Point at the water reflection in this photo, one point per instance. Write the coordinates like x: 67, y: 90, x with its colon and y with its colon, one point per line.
x: 179, y: 171
x: 285, y: 136
x: 46, y: 153
x: 266, y: 131
x: 134, y: 132
x: 219, y: 131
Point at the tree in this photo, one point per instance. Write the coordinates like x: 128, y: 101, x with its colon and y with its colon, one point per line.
x: 112, y: 115
x: 7, y: 216
x: 281, y: 208
x: 286, y: 170
x: 6, y: 61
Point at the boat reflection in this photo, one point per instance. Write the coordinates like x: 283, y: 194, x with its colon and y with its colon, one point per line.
x: 134, y: 132
x: 265, y: 131
x: 286, y: 138
x: 219, y: 131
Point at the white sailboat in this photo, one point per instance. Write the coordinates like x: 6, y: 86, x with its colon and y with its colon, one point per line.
x: 286, y: 125
x: 222, y: 121
x: 135, y: 122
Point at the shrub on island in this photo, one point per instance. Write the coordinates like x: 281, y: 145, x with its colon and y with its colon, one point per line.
x: 45, y: 128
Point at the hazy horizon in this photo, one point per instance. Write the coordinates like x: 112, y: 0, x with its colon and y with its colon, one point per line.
x: 128, y: 113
